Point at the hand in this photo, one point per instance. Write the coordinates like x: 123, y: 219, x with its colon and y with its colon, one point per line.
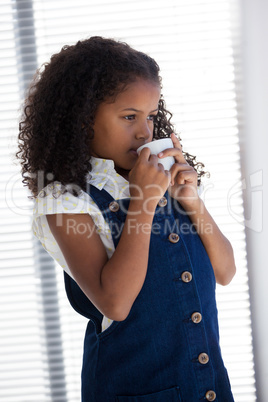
x: 148, y: 180
x: 183, y: 185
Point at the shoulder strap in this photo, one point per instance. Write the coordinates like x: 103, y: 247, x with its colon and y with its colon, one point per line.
x: 78, y: 300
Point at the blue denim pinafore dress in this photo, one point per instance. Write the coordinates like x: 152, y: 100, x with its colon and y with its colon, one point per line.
x: 167, y: 349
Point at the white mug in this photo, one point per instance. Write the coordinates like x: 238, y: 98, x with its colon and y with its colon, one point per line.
x: 158, y: 146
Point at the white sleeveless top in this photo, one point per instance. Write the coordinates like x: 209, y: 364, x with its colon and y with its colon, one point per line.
x: 51, y: 200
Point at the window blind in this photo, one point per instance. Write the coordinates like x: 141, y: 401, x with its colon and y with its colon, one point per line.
x: 22, y: 362
x: 196, y: 43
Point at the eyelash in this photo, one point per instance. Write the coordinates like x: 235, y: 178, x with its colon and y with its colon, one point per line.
x: 131, y: 117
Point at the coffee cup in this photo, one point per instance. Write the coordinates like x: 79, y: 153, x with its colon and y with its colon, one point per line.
x: 158, y: 146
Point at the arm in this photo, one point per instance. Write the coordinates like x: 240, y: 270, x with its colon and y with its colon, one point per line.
x: 216, y: 244
x: 113, y: 285
x: 184, y: 190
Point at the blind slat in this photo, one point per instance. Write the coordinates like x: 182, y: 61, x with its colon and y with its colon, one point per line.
x: 197, y: 45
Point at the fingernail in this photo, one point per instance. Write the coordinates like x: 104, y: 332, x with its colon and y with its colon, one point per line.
x: 160, y: 154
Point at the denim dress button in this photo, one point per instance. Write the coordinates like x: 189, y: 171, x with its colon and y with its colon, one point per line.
x: 210, y: 396
x: 114, y: 206
x: 42, y: 194
x: 173, y: 237
x: 196, y: 317
x: 162, y: 202
x: 56, y: 193
x: 186, y: 276
x: 203, y: 358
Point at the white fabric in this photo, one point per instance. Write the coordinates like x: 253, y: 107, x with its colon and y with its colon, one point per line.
x: 51, y: 201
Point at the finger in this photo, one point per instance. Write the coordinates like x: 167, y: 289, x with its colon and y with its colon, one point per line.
x: 168, y: 174
x: 175, y: 152
x: 154, y: 159
x: 176, y: 141
x: 186, y: 177
x: 178, y: 169
x: 145, y: 153
x: 177, y: 145
x: 161, y: 166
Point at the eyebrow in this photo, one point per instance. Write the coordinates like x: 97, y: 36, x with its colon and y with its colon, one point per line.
x: 136, y: 110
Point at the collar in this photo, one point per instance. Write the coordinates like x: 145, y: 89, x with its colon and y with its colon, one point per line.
x: 103, y: 173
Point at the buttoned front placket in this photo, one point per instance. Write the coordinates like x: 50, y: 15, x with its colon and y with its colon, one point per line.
x: 191, y: 316
x: 168, y: 345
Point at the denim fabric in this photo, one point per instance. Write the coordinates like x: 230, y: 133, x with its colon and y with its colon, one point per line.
x: 154, y: 354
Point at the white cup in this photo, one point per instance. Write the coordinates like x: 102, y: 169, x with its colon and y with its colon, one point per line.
x: 157, y: 146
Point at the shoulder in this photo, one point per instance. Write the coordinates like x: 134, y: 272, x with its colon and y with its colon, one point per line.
x: 54, y: 199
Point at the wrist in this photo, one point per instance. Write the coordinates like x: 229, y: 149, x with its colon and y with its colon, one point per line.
x: 195, y: 206
x: 140, y: 207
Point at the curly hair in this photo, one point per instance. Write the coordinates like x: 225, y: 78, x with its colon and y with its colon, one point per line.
x: 56, y: 127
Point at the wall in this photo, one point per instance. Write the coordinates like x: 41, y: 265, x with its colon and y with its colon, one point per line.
x: 254, y: 146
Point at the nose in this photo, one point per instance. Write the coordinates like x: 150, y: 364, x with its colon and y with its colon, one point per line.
x: 144, y: 131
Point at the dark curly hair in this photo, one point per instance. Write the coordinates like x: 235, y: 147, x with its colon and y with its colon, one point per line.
x: 58, y: 115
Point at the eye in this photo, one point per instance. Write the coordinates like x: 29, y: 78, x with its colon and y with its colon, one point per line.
x: 130, y: 117
x: 152, y: 117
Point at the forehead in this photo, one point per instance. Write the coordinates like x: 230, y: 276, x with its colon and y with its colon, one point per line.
x: 140, y: 91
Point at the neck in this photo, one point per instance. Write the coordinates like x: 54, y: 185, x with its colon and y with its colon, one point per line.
x: 124, y: 173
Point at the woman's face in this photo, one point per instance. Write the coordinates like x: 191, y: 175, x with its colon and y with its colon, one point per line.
x: 125, y: 124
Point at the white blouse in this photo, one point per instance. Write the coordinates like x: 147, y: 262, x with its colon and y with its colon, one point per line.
x: 51, y: 200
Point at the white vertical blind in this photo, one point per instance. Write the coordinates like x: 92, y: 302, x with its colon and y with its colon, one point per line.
x: 196, y: 45
x: 22, y: 359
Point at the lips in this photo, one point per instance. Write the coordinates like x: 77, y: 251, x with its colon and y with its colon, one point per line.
x: 133, y: 152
